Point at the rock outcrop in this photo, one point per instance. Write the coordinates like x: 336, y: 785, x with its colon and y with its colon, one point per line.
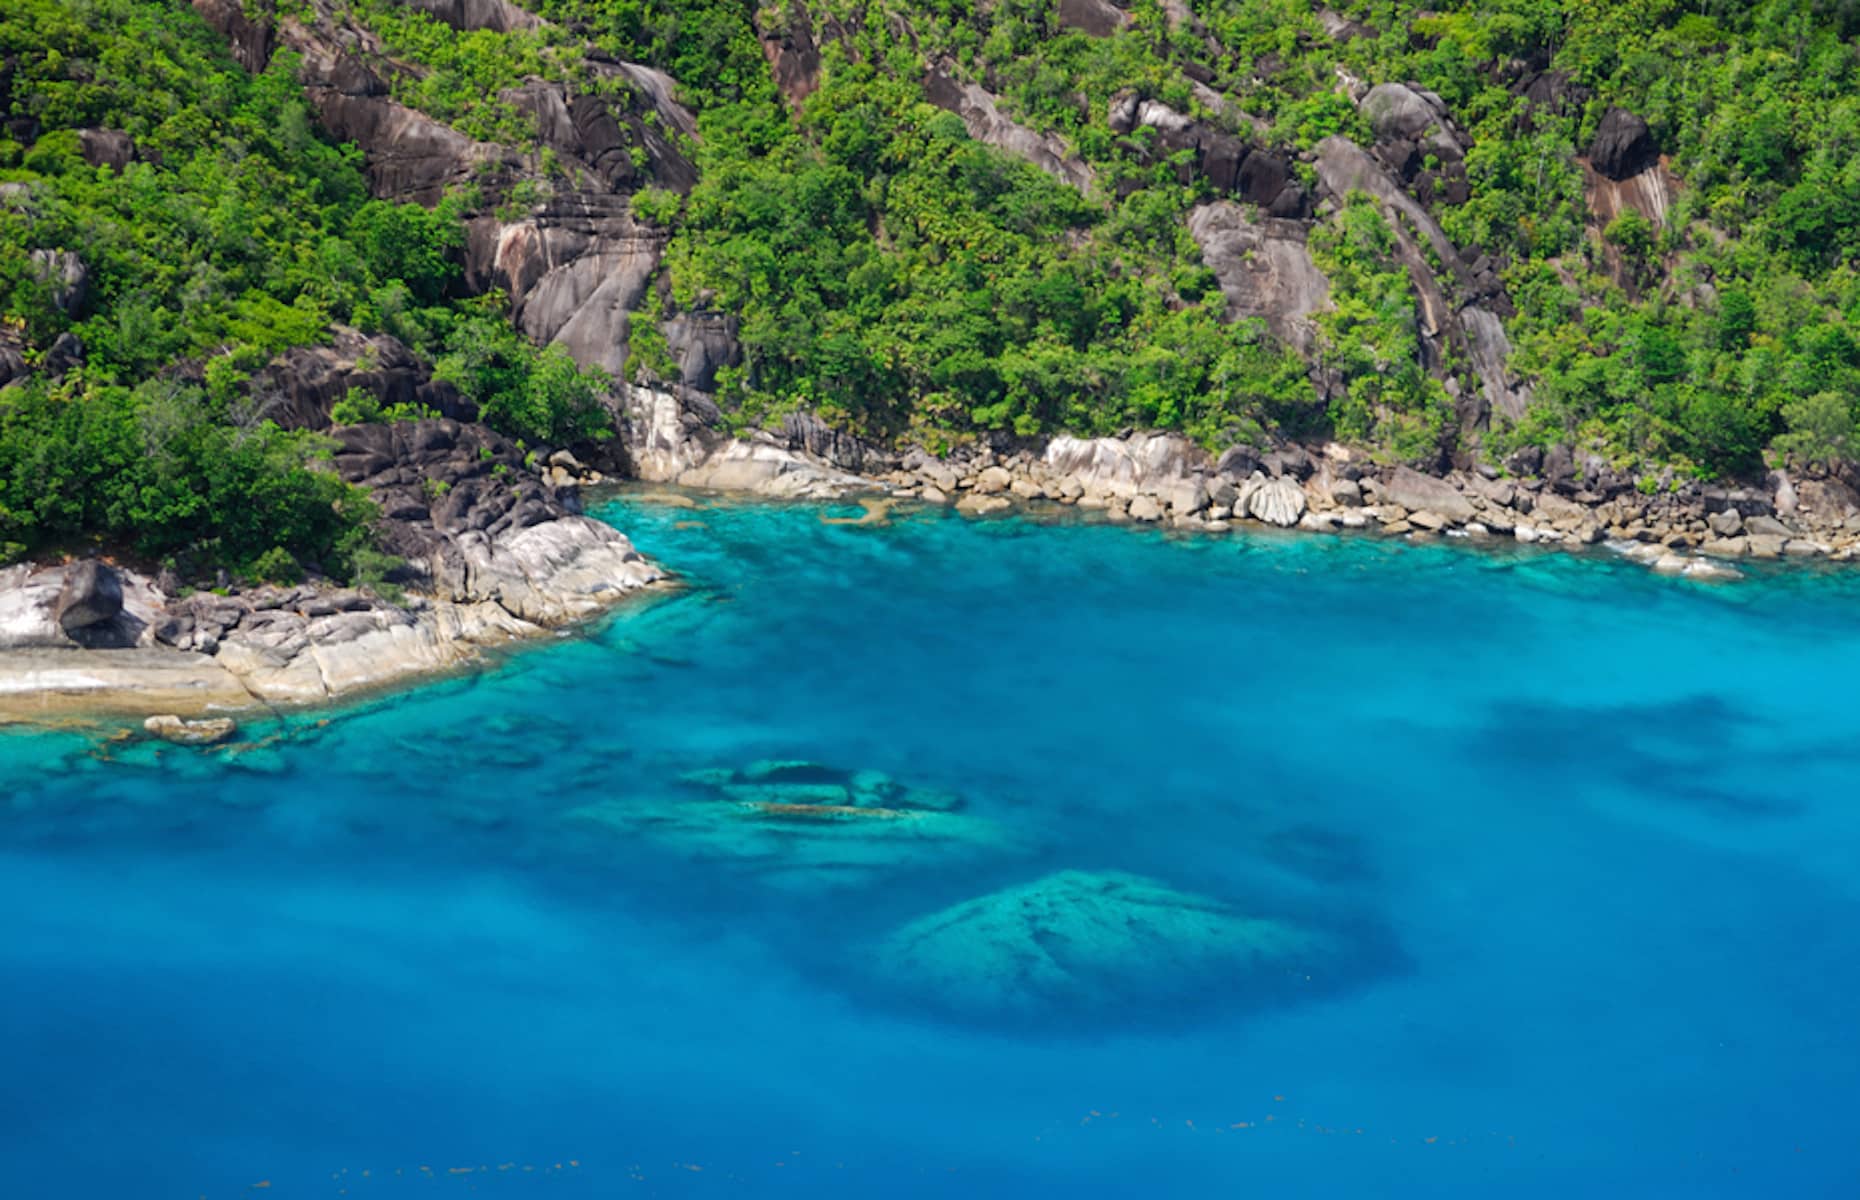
x: 1099, y: 18
x: 1623, y: 145
x: 493, y: 553
x: 1278, y: 502
x: 92, y: 596
x: 1264, y: 268
x: 574, y: 262
x: 671, y: 438
x: 1458, y: 318
x: 205, y: 731
x: 65, y: 274
x: 300, y: 387
x: 1123, y: 468
x: 982, y: 115
x: 794, y: 58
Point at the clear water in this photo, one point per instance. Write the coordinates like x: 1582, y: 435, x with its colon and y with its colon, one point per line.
x: 1590, y: 838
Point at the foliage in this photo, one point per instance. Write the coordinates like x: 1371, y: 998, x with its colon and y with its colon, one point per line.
x: 899, y: 278
x: 530, y: 394
x: 151, y: 470
x: 360, y: 407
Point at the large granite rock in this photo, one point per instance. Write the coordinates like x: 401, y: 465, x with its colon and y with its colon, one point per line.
x: 498, y: 16
x: 1424, y: 493
x: 1395, y: 110
x: 788, y: 44
x: 65, y: 274
x: 92, y: 595
x: 1264, y: 268
x: 1623, y: 145
x: 1123, y: 467
x: 1473, y: 330
x: 1275, y: 501
x: 1077, y: 944
x: 202, y: 731
x: 983, y: 117
x: 769, y: 469
x: 1098, y: 18
x: 300, y: 387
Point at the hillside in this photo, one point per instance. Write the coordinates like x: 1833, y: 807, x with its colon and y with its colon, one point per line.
x: 1452, y: 235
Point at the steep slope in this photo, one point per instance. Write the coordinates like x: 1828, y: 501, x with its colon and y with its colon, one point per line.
x: 783, y: 238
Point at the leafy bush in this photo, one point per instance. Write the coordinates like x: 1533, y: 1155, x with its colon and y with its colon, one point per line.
x: 527, y: 393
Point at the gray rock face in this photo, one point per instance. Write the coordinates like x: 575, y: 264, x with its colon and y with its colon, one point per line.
x: 770, y: 469
x: 1395, y: 110
x: 1415, y: 491
x: 498, y: 16
x: 110, y: 148
x: 299, y: 387
x: 92, y: 595
x: 576, y: 266
x: 1623, y: 145
x: 1490, y: 351
x: 1828, y: 500
x: 794, y: 58
x: 1099, y: 18
x: 1076, y: 944
x: 64, y: 272
x: 986, y: 123
x: 1264, y: 268
x: 1227, y: 163
x: 1474, y: 329
x: 12, y: 362
x: 251, y: 39
x: 575, y: 271
x: 702, y: 344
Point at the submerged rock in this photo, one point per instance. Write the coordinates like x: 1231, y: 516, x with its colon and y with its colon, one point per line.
x: 1079, y: 943
x: 804, y: 825
x: 204, y: 732
x: 785, y: 782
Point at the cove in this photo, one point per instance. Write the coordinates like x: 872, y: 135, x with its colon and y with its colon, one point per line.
x: 1575, y: 848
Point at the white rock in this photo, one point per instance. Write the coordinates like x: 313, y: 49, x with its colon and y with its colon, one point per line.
x: 1277, y: 502
x: 1706, y: 571
x: 976, y: 504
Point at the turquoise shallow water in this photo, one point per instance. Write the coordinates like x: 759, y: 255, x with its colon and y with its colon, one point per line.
x: 1588, y: 841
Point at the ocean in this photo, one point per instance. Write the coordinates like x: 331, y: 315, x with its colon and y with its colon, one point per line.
x: 1012, y: 858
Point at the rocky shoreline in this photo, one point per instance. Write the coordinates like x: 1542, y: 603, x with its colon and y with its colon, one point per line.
x: 496, y: 550
x: 493, y: 549
x: 1684, y: 529
x: 1547, y: 498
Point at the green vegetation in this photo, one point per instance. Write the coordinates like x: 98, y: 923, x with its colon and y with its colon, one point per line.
x: 155, y: 470
x: 1725, y: 322
x: 903, y: 280
x: 534, y: 395
x: 1374, y: 339
x: 900, y: 279
x: 237, y: 231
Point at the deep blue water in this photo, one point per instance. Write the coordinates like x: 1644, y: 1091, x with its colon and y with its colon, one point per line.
x: 1586, y: 842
